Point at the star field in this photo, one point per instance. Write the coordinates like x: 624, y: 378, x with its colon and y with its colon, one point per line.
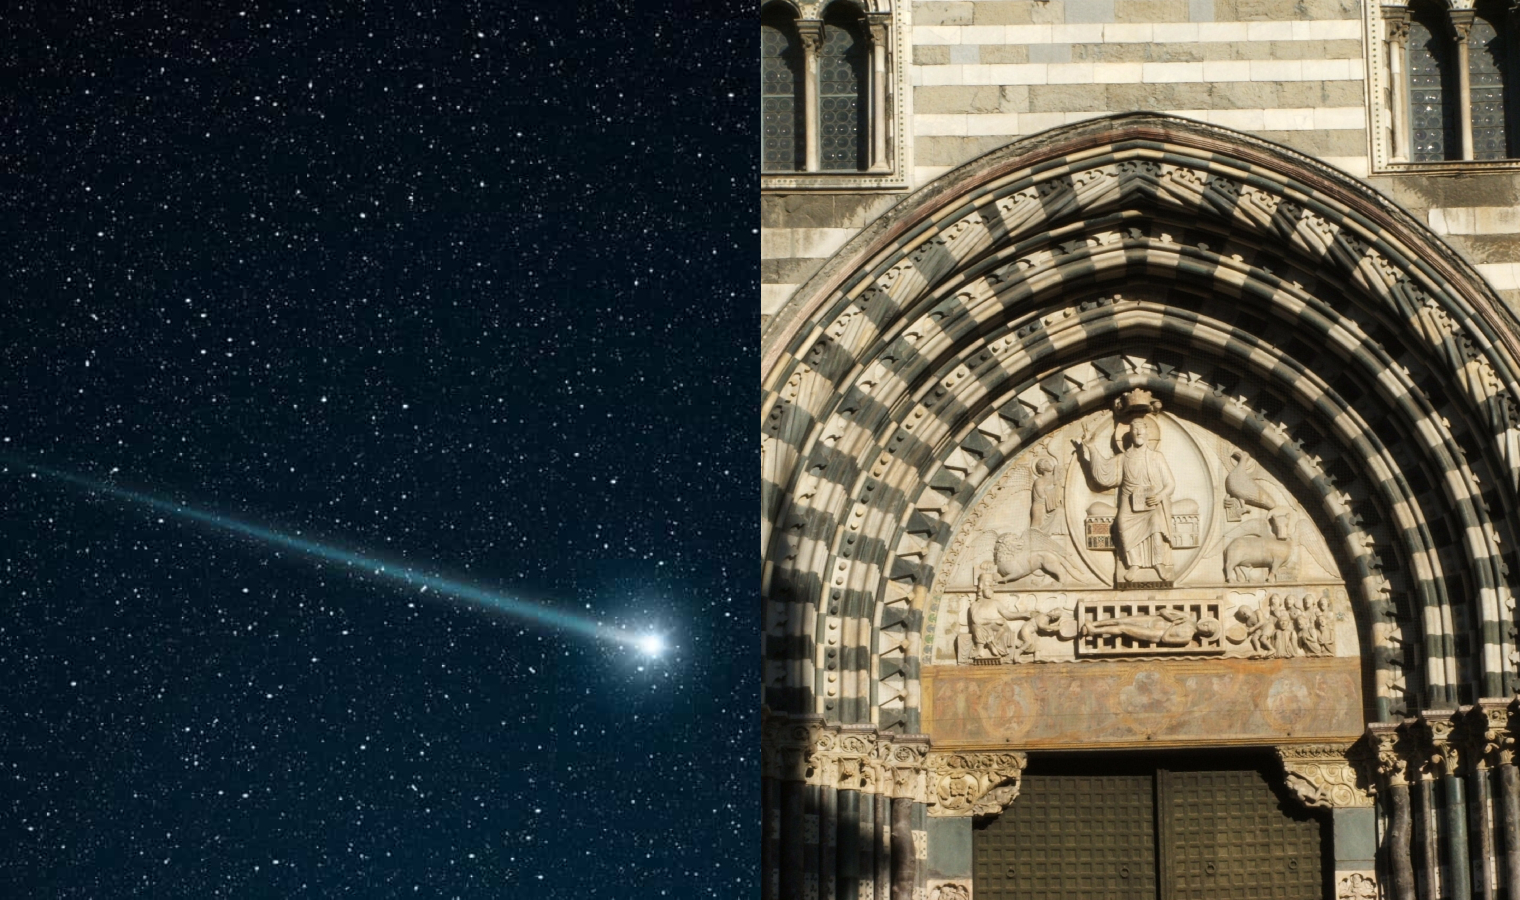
x: 465, y: 287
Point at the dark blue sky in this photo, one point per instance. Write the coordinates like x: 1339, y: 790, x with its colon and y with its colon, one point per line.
x: 462, y: 286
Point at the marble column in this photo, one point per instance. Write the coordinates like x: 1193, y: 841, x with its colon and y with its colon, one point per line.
x: 1392, y: 768
x: 1427, y: 854
x: 881, y: 37
x: 1461, y: 25
x: 847, y: 866
x: 770, y: 841
x: 1396, y: 25
x: 1509, y: 814
x: 791, y: 840
x: 1400, y: 866
x: 1494, y: 753
x: 1454, y: 825
x: 904, y: 863
x: 1442, y: 728
x: 811, y: 33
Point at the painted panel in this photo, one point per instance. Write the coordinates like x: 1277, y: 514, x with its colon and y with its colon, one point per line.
x: 1144, y: 703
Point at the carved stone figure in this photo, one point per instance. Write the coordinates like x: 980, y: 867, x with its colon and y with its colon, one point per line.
x: 1284, y: 638
x: 1258, y: 628
x: 1324, y: 626
x: 1018, y: 556
x: 1047, y: 497
x: 1277, y: 554
x: 1000, y: 630
x: 1356, y: 886
x: 988, y: 617
x: 1165, y: 628
x: 1244, y: 489
x: 1290, y: 625
x: 1303, y: 625
x: 1142, y: 527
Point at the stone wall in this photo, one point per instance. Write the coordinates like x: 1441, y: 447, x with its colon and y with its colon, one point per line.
x: 986, y: 72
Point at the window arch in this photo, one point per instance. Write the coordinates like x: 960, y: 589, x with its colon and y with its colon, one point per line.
x: 832, y: 85
x: 1462, y: 82
x: 1432, y: 89
x: 782, y: 133
x: 1489, y: 55
x: 842, y: 78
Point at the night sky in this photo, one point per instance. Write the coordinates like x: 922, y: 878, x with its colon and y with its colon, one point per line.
x: 469, y: 288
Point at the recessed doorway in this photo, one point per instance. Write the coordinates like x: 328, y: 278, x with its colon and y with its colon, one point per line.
x: 1151, y: 827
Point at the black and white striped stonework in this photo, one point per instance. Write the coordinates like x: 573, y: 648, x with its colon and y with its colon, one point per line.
x: 1247, y: 287
x: 1389, y: 367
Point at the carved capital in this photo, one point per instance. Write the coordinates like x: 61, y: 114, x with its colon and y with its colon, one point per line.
x: 1493, y: 737
x: 1443, y: 740
x: 1461, y: 22
x: 973, y: 784
x: 846, y: 757
x: 879, y: 25
x: 1325, y: 776
x: 1396, y: 24
x: 1392, y: 759
x: 811, y: 33
x: 788, y: 745
x: 903, y: 759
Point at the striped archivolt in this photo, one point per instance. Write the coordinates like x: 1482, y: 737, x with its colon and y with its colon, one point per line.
x: 1253, y: 290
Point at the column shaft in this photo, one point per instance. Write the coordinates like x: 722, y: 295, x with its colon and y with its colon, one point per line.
x: 791, y: 853
x: 904, y: 870
x: 1454, y: 825
x: 849, y: 846
x: 1427, y: 856
x: 812, y: 801
x: 1399, y: 103
x: 879, y: 99
x: 812, y: 40
x: 883, y: 847
x: 1509, y: 813
x: 1401, y: 869
x: 828, y: 840
x: 867, y: 844
x: 770, y: 839
x: 1461, y: 21
x: 1480, y: 823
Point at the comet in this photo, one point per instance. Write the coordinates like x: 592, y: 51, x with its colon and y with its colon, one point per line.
x: 389, y: 571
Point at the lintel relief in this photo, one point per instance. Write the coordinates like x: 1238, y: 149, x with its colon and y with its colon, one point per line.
x: 1135, y: 578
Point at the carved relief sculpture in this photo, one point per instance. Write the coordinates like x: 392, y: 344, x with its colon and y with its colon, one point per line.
x: 1019, y: 556
x: 1142, y: 529
x: 973, y: 784
x: 1286, y: 625
x: 1164, y: 538
x: 1167, y: 628
x: 1325, y: 776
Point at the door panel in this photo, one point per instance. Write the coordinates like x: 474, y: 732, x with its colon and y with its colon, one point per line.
x: 1148, y: 834
x: 1225, y: 834
x: 1075, y: 837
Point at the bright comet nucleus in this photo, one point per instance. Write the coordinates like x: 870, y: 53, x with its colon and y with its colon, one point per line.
x: 652, y: 644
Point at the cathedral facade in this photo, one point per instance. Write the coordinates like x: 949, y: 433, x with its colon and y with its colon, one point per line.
x: 1140, y: 449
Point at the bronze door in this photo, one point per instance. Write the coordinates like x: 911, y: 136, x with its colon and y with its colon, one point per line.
x: 1149, y: 833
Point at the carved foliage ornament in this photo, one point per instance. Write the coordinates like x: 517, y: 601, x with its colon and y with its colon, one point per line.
x: 804, y: 748
x: 973, y: 784
x: 1324, y: 776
